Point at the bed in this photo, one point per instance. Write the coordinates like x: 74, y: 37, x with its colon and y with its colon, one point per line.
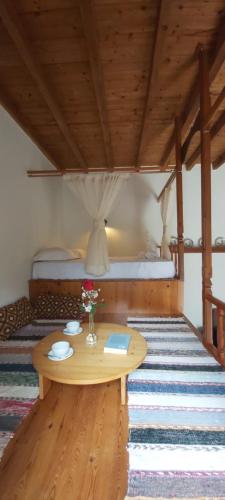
x: 132, y: 286
x: 120, y: 268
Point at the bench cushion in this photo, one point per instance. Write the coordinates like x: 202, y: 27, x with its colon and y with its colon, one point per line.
x: 14, y: 316
x: 48, y: 306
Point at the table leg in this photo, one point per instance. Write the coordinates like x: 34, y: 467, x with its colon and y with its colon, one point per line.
x: 123, y: 390
x: 44, y: 386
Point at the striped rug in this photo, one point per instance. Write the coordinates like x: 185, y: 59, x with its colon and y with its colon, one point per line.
x: 176, y: 403
x: 18, y: 379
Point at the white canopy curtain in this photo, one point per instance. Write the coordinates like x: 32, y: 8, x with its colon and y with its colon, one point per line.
x: 97, y: 192
x: 166, y: 213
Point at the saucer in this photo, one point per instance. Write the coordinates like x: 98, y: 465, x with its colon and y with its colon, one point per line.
x: 69, y: 332
x: 56, y: 358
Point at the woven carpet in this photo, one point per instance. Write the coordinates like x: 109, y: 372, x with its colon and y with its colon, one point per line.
x: 18, y: 379
x: 176, y: 404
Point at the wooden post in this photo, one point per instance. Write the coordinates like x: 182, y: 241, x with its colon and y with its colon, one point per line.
x: 179, y: 190
x: 205, y: 195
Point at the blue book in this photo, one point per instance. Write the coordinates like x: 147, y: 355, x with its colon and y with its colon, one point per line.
x: 117, y: 343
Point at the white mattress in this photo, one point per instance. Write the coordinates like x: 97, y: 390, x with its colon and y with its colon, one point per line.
x: 130, y: 268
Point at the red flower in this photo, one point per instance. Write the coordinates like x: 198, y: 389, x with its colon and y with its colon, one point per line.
x: 88, y: 285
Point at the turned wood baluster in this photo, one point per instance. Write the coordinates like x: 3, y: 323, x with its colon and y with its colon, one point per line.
x: 220, y: 333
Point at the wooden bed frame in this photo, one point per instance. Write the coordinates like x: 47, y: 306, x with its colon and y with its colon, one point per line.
x: 153, y: 297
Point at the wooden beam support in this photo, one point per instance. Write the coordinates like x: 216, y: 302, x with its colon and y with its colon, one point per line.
x: 12, y: 23
x: 218, y: 101
x: 205, y: 195
x: 44, y: 173
x: 159, y: 42
x: 220, y: 160
x: 220, y: 123
x: 179, y: 192
x: 52, y: 173
x: 196, y: 127
x: 187, y: 118
x: 90, y: 29
x: 192, y: 104
x: 193, y: 158
x: 170, y: 180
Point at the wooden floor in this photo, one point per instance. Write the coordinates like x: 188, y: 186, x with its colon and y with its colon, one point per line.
x: 73, y: 447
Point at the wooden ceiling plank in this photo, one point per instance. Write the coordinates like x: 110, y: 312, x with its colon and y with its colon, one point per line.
x: 90, y: 30
x: 12, y: 23
x: 192, y: 104
x: 159, y: 42
x: 218, y: 125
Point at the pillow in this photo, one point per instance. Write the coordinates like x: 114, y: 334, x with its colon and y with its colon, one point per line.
x: 48, y: 306
x: 148, y: 255
x: 79, y: 253
x: 15, y: 316
x: 25, y: 312
x: 56, y: 253
x: 151, y: 255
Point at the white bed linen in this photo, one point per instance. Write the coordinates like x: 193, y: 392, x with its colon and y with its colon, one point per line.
x: 129, y: 268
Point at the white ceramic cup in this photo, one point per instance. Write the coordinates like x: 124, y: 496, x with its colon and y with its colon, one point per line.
x: 73, y: 326
x: 60, y: 349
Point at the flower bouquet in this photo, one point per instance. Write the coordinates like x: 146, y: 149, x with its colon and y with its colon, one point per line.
x: 89, y: 304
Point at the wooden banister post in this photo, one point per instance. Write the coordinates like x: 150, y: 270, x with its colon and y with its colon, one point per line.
x: 179, y: 191
x: 205, y: 194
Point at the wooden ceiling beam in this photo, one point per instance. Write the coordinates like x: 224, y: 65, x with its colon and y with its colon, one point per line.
x: 220, y: 160
x: 192, y: 104
x: 196, y: 127
x: 218, y: 101
x: 90, y: 30
x: 161, y: 31
x: 218, y: 125
x: 187, y: 118
x: 12, y: 23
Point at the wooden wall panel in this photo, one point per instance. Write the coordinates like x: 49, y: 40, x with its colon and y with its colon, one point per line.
x: 136, y: 296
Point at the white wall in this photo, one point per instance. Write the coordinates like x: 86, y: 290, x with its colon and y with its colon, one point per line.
x: 192, y: 229
x: 135, y: 221
x: 29, y: 209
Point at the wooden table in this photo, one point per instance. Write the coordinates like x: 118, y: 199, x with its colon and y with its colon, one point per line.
x: 89, y: 364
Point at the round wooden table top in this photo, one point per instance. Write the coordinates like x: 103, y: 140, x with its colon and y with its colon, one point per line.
x: 89, y: 364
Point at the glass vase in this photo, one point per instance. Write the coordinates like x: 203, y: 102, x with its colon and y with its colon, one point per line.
x: 91, y: 338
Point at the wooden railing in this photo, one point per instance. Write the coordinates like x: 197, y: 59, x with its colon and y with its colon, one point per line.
x: 220, y: 312
x: 194, y: 249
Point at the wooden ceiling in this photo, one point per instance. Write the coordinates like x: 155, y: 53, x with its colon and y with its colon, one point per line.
x: 97, y: 84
